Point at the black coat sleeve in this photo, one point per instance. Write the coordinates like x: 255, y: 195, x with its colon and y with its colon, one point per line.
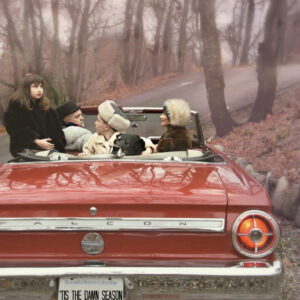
x: 24, y: 126
x: 21, y: 133
x: 54, y: 130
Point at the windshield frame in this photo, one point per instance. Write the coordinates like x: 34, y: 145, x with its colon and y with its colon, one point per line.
x: 132, y: 112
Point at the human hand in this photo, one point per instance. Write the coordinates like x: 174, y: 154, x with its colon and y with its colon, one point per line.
x: 44, y: 143
x: 82, y: 154
x: 147, y: 151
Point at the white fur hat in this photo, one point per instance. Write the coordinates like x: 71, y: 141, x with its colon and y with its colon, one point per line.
x: 113, y: 115
x: 178, y: 111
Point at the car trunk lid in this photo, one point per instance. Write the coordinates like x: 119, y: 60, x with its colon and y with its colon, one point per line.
x: 116, y: 189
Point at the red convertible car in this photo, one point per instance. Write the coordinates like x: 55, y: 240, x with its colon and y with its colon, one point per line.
x: 174, y: 225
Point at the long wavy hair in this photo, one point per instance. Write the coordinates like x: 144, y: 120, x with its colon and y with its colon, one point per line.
x: 22, y: 94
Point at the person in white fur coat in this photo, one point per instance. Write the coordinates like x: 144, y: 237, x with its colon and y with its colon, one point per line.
x: 175, y: 117
x: 73, y: 126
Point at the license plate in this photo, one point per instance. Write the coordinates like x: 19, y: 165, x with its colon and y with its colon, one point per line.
x: 91, y: 288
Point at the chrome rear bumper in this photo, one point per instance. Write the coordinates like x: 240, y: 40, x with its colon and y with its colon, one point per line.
x: 270, y: 270
x: 181, y: 283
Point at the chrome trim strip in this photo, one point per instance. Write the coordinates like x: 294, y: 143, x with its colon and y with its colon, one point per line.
x: 274, y: 270
x: 82, y: 159
x: 149, y: 108
x: 112, y: 224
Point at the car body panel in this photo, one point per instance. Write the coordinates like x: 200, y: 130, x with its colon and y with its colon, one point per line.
x: 123, y: 190
x: 150, y: 215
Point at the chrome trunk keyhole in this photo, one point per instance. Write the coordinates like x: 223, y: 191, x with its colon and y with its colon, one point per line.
x: 93, y: 210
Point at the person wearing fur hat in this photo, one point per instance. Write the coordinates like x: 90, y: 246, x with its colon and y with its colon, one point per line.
x: 72, y: 122
x: 110, y: 122
x: 175, y: 116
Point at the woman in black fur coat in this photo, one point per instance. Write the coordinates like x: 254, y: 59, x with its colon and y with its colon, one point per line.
x: 30, y: 121
x: 175, y: 117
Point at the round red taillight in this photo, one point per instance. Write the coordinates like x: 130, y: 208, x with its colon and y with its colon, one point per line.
x: 251, y: 232
x: 255, y: 234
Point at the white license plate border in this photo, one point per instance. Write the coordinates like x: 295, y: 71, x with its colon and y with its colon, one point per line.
x: 82, y: 281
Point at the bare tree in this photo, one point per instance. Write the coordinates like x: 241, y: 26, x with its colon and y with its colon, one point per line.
x: 233, y: 32
x: 81, y: 51
x: 268, y: 54
x: 214, y: 79
x: 291, y: 45
x: 37, y: 45
x: 74, y: 13
x: 166, y: 43
x: 56, y: 44
x: 13, y: 41
x: 125, y: 65
x: 28, y: 58
x: 138, y: 40
x: 133, y: 36
x: 196, y: 37
x: 182, y: 36
x: 80, y: 13
x: 159, y: 8
x: 116, y: 61
x: 248, y: 31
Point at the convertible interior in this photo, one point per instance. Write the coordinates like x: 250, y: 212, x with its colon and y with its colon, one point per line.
x: 145, y: 122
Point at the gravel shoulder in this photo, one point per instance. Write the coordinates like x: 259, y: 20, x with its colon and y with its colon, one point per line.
x: 289, y: 253
x: 273, y: 145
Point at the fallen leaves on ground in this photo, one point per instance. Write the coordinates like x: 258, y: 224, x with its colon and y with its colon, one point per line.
x: 272, y: 144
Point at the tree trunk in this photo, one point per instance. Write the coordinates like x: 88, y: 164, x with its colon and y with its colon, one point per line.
x: 213, y: 70
x: 159, y: 10
x: 268, y: 53
x: 182, y: 36
x: 282, y: 36
x: 55, y: 45
x: 74, y: 15
x: 114, y: 76
x: 139, y: 40
x: 167, y: 39
x: 36, y: 44
x: 234, y: 30
x: 249, y: 25
x: 239, y: 27
x: 81, y: 50
x: 125, y: 66
x: 197, y: 40
x: 41, y: 34
x: 13, y: 41
x: 28, y: 65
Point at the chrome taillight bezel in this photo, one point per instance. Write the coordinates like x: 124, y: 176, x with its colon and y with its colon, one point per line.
x: 274, y: 233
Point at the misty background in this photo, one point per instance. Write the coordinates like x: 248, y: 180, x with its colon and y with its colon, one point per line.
x: 86, y: 48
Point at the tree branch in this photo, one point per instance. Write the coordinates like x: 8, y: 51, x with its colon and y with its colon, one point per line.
x: 7, y: 84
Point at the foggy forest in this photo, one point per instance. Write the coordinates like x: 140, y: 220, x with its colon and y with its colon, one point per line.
x: 85, y: 47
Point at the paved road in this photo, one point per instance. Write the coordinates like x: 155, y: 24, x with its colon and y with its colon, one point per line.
x: 240, y: 90
x: 4, y: 149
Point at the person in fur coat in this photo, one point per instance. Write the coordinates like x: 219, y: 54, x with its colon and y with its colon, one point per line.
x: 175, y: 117
x: 72, y: 121
x: 111, y: 121
x: 30, y: 121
